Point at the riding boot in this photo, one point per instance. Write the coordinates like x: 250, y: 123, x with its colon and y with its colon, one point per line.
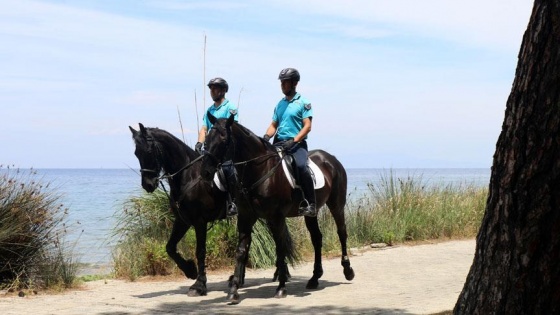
x: 308, y: 207
x: 231, y: 179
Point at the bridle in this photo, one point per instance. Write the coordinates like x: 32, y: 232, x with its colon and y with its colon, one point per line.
x: 229, y: 153
x: 158, y: 156
x: 229, y: 150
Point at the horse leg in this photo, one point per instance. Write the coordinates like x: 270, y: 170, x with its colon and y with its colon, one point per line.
x: 312, y: 225
x: 338, y: 215
x: 275, y: 276
x: 284, y: 246
x: 244, y: 227
x: 199, y: 287
x: 188, y: 267
x: 242, y: 278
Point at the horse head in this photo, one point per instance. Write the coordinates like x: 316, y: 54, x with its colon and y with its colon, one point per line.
x: 218, y: 145
x: 149, y: 156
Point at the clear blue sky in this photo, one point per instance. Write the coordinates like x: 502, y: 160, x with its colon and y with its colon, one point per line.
x: 394, y: 83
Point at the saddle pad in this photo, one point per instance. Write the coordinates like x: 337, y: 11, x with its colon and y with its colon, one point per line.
x: 316, y: 174
x: 218, y: 183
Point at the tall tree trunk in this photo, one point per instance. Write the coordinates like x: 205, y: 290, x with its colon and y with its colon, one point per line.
x: 516, y: 268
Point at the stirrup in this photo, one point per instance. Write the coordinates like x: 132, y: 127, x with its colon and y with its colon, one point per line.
x: 308, y: 210
x: 231, y: 209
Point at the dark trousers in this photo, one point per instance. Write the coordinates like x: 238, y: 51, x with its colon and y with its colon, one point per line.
x: 230, y: 175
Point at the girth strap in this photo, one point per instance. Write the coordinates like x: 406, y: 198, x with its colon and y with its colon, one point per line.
x: 266, y: 176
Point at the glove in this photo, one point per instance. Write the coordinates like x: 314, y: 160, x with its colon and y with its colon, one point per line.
x: 288, y: 144
x: 266, y: 137
x: 198, y: 147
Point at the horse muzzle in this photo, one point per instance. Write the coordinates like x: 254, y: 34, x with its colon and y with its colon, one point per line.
x: 150, y: 184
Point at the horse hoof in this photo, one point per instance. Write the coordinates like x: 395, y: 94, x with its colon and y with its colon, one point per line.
x: 281, y: 293
x: 233, y: 298
x: 195, y: 293
x: 312, y: 284
x: 349, y: 273
x: 190, y: 269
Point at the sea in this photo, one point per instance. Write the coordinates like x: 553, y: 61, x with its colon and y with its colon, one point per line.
x: 94, y: 197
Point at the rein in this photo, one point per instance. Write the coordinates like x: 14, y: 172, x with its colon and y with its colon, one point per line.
x: 166, y: 175
x: 265, y: 176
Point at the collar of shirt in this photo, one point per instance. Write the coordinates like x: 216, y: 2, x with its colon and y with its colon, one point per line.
x: 296, y: 96
x: 223, y: 103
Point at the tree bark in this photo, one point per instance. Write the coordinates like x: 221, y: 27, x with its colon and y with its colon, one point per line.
x: 516, y: 268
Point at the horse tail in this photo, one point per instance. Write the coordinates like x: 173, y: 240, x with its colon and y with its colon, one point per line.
x: 337, y: 198
x: 286, y: 243
x: 292, y: 253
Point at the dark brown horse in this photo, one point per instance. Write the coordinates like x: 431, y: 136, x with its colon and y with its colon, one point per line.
x: 264, y: 192
x: 193, y: 201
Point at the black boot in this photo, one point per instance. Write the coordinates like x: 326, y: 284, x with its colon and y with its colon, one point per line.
x: 307, y: 206
x: 231, y: 179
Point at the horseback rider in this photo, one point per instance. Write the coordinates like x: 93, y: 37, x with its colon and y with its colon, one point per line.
x: 291, y: 123
x: 222, y: 108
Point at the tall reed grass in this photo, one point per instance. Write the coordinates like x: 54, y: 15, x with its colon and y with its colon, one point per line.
x: 32, y: 230
x: 395, y: 210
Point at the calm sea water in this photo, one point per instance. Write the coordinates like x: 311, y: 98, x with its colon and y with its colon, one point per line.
x: 94, y: 196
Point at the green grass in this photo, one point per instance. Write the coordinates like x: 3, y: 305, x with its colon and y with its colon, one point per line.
x: 394, y: 211
x: 409, y: 209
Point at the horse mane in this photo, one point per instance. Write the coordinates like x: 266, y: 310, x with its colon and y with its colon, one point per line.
x: 170, y: 139
x: 249, y: 134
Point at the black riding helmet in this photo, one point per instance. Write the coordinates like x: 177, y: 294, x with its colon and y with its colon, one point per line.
x: 289, y: 74
x: 219, y: 82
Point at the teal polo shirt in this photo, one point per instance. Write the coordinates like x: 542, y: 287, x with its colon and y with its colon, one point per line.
x: 289, y: 116
x: 226, y: 109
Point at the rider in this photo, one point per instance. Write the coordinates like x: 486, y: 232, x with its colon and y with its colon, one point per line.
x: 222, y: 108
x: 291, y: 122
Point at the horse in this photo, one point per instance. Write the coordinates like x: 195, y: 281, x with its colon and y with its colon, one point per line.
x: 266, y: 193
x: 193, y: 201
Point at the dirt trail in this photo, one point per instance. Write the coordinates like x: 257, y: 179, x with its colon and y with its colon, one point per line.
x: 421, y: 279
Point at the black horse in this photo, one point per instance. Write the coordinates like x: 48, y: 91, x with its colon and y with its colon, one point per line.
x: 265, y: 193
x: 193, y: 201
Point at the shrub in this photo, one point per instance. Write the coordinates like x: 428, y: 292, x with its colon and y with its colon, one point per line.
x: 32, y: 251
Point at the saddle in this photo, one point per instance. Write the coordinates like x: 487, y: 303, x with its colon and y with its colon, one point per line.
x: 314, y: 170
x: 288, y: 167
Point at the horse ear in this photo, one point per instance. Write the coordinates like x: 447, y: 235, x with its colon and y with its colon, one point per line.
x: 134, y: 132
x: 142, y: 129
x: 212, y: 118
x: 230, y: 120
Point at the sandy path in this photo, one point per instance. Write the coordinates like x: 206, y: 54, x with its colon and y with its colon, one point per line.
x: 421, y: 279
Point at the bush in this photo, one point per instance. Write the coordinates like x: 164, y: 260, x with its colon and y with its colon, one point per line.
x: 32, y: 252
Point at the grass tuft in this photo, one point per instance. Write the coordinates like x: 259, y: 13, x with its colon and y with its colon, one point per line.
x: 33, y: 253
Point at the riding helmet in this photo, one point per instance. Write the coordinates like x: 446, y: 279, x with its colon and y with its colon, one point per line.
x: 289, y: 74
x: 219, y: 82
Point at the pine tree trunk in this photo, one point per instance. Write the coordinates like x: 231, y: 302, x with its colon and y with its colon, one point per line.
x: 516, y: 269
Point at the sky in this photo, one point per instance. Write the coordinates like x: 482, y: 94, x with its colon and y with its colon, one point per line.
x: 393, y: 83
